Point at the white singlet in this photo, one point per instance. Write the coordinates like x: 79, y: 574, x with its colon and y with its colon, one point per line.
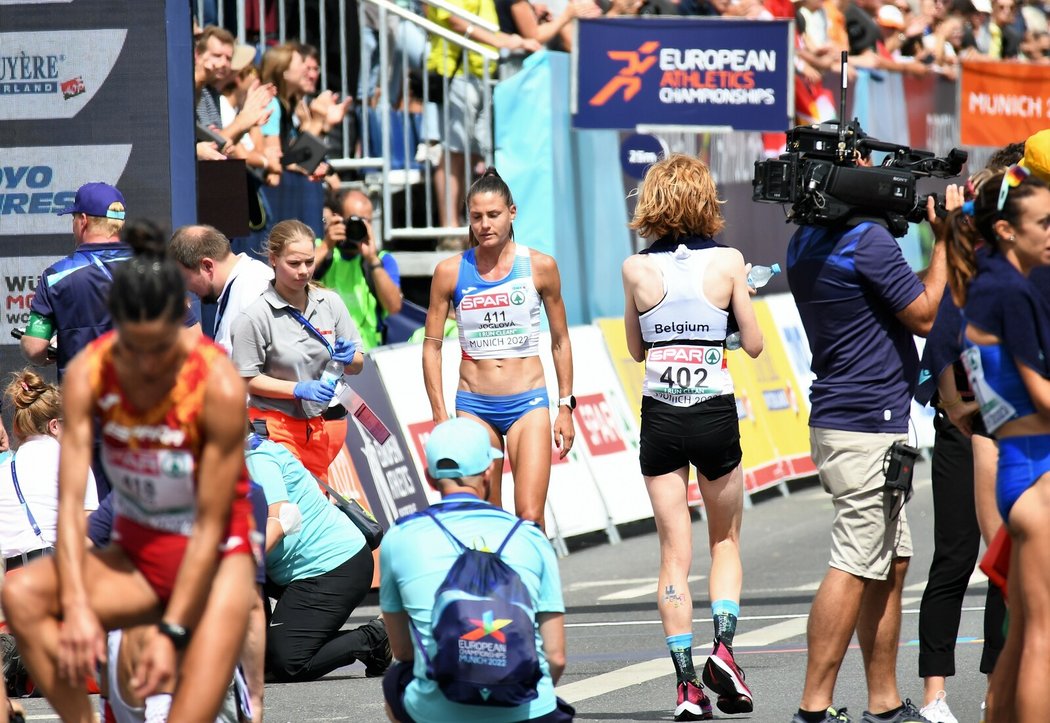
x: 685, y: 364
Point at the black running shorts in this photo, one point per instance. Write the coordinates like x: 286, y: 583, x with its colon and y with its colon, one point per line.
x: 706, y: 435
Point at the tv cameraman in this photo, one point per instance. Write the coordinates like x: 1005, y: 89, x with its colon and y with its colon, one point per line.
x: 347, y: 262
x: 860, y: 304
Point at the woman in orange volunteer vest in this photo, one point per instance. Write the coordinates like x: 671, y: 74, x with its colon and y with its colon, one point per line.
x: 496, y: 288
x: 281, y: 345
x: 169, y: 407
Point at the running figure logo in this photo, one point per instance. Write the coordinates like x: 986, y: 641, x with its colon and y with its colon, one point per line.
x: 630, y: 77
x: 488, y: 625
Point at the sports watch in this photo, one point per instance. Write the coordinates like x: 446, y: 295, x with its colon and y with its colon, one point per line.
x: 569, y: 401
x: 178, y: 635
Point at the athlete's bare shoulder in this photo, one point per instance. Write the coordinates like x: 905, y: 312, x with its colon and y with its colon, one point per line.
x: 542, y: 262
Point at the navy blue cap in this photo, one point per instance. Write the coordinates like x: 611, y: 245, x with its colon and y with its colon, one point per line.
x: 95, y: 199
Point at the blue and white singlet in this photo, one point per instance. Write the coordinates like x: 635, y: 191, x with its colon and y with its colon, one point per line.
x: 497, y: 319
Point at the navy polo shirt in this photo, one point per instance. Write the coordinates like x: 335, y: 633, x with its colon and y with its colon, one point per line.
x: 849, y: 284
x: 74, y: 294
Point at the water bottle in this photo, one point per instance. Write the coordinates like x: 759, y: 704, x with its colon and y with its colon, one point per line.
x: 733, y: 340
x: 759, y: 276
x: 333, y: 372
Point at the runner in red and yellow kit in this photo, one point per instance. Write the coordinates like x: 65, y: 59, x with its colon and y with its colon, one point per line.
x: 172, y: 421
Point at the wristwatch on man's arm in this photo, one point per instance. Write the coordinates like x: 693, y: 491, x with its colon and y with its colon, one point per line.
x: 569, y: 401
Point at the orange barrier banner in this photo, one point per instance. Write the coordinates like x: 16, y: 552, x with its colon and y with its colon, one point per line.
x: 1001, y: 103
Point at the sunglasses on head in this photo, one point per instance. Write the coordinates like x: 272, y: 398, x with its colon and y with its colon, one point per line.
x: 1013, y: 178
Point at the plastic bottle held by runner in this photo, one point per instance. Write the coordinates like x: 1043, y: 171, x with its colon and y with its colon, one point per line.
x: 759, y: 276
x: 733, y: 341
x: 333, y: 372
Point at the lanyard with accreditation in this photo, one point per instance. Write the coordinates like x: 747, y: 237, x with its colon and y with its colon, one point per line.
x: 344, y: 394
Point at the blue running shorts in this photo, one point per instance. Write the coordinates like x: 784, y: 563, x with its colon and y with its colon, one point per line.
x: 1022, y: 461
x: 502, y: 411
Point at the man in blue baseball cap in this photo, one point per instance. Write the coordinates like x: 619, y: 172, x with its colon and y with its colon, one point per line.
x: 71, y: 298
x: 459, y: 464
x: 98, y: 200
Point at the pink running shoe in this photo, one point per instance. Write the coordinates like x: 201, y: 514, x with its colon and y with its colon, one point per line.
x: 692, y: 703
x: 724, y: 677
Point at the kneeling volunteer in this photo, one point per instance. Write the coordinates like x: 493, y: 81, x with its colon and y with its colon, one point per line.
x: 320, y: 569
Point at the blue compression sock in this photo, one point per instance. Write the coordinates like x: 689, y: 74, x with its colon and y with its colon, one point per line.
x: 725, y: 613
x: 681, y: 647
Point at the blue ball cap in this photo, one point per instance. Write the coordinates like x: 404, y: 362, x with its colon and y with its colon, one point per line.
x: 457, y: 448
x: 95, y: 199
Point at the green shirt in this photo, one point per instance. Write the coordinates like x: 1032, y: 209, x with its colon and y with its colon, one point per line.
x: 451, y: 329
x: 346, y: 277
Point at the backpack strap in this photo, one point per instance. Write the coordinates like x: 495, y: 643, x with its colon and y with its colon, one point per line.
x: 429, y: 513
x: 509, y: 534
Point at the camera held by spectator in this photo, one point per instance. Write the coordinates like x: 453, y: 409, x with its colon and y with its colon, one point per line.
x: 356, y: 234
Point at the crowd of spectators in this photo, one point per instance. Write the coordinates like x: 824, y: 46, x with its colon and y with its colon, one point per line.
x: 268, y: 101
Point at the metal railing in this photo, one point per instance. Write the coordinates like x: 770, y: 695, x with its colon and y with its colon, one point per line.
x: 465, y: 46
x: 381, y: 176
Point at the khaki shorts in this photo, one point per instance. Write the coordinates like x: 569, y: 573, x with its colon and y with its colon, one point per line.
x: 864, y: 540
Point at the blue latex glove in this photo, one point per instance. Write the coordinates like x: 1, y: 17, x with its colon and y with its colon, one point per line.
x: 344, y: 351
x: 315, y: 390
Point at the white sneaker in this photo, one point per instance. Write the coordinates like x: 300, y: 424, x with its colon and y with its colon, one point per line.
x: 938, y: 711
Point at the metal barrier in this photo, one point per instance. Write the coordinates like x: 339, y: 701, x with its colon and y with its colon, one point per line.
x: 384, y: 106
x: 416, y: 168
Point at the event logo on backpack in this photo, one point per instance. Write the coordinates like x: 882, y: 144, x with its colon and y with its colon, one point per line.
x: 484, y: 629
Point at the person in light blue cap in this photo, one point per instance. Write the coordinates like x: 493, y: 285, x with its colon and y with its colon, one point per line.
x: 460, y: 465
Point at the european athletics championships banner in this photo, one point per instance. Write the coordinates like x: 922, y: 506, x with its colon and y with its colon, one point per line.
x: 719, y: 74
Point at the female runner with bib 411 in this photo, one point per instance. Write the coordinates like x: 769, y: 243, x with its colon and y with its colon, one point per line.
x: 496, y: 288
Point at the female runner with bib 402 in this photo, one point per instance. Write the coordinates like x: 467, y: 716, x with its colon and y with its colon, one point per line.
x: 496, y: 288
x: 679, y: 293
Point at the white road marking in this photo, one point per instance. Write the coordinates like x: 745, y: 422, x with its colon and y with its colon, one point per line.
x: 772, y: 633
x: 612, y: 583
x: 616, y: 679
x: 659, y: 667
x: 649, y: 588
x: 629, y: 623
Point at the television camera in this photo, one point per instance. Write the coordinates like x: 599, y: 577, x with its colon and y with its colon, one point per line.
x: 822, y: 177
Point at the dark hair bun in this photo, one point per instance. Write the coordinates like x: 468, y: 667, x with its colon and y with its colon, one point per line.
x: 145, y: 238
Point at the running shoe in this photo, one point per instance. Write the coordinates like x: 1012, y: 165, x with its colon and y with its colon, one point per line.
x: 907, y: 714
x: 724, y: 677
x: 831, y: 715
x: 938, y: 711
x: 692, y: 703
x: 16, y: 677
x: 379, y: 657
